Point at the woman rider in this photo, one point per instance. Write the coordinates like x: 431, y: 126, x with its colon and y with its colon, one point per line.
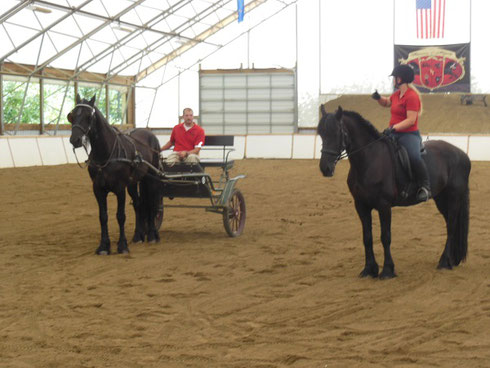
x: 406, y: 107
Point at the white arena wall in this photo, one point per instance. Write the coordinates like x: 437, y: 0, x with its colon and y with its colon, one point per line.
x: 39, y: 150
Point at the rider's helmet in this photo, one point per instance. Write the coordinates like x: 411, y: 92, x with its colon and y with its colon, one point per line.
x: 404, y: 72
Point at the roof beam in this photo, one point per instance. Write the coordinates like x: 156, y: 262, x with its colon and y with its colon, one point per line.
x: 43, y: 31
x: 113, y: 47
x: 14, y: 10
x: 144, y: 27
x: 199, y: 38
x: 87, y: 36
x: 158, y: 43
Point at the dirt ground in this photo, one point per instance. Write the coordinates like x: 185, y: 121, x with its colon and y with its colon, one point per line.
x: 284, y: 294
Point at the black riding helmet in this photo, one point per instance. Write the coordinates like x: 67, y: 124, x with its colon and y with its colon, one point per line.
x: 404, y: 72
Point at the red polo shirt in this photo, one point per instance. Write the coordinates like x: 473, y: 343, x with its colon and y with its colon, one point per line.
x: 187, y: 140
x: 399, y: 107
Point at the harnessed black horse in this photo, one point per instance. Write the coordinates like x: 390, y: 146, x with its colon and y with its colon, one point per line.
x: 373, y: 185
x: 118, y: 161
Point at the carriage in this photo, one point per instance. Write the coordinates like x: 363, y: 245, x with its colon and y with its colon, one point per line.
x: 186, y: 180
x: 131, y: 161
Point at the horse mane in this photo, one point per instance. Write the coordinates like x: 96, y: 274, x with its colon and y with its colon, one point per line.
x: 371, y: 129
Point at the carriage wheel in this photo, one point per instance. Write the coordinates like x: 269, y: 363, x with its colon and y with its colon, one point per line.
x: 234, y: 214
x: 159, y: 216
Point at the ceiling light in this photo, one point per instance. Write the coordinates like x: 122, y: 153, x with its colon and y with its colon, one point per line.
x: 124, y: 29
x: 39, y: 9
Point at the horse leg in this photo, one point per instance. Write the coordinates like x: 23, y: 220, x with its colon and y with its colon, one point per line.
x: 152, y: 203
x: 455, y: 212
x: 122, y: 244
x: 139, y: 233
x: 442, y: 205
x: 385, y: 220
x: 371, y: 267
x: 105, y: 243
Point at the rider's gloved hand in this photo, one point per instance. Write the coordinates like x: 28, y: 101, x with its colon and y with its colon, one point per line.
x: 376, y: 96
x: 389, y: 131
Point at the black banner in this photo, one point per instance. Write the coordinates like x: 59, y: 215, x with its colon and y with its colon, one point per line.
x: 437, y: 68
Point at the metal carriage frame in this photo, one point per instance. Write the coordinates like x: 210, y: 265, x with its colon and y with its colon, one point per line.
x: 191, y: 181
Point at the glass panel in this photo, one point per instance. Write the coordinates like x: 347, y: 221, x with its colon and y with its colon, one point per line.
x: 13, y: 96
x: 117, y: 105
x: 55, y: 101
x: 87, y: 91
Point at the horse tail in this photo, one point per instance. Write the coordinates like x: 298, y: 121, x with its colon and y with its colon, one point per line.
x: 460, y: 248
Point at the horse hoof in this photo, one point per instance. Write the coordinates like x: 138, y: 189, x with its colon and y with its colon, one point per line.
x: 137, y: 239
x: 102, y: 252
x: 123, y: 251
x: 387, y: 276
x: 154, y: 240
x: 369, y: 271
x: 364, y: 274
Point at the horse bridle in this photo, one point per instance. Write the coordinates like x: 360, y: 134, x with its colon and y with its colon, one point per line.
x: 85, y: 132
x: 342, y: 153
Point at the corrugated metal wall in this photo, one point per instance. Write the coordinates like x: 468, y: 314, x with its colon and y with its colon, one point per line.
x: 251, y: 101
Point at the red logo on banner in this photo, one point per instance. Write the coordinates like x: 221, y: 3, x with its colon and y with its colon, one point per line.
x: 435, y: 67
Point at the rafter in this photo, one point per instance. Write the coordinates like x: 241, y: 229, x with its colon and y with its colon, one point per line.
x: 199, y: 38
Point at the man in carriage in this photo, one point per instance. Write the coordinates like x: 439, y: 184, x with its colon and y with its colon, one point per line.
x: 187, y: 139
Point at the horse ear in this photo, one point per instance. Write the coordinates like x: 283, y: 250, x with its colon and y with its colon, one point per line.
x: 92, y: 101
x: 338, y: 113
x: 78, y: 99
x: 322, y: 110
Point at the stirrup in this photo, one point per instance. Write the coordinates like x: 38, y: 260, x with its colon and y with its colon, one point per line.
x: 423, y: 194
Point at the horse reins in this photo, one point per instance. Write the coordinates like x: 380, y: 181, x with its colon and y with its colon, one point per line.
x: 116, y: 143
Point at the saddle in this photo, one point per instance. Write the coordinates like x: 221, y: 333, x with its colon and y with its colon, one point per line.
x: 404, y: 178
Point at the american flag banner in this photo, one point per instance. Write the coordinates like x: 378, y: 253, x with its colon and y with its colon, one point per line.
x: 430, y: 18
x: 432, y: 22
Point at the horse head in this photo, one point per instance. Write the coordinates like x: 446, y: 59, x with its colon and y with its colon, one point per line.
x: 333, y: 140
x: 82, y: 119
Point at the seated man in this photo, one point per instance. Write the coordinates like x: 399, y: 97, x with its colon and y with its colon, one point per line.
x: 187, y: 139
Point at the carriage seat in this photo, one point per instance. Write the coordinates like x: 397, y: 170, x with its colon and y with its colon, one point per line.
x: 223, y: 143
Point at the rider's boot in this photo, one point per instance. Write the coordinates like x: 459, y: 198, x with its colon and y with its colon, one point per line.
x: 424, y: 193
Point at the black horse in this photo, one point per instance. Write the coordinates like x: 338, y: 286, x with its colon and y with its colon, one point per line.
x: 372, y: 181
x: 117, y: 161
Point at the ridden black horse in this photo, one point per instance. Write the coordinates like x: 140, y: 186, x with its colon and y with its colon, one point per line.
x: 373, y: 185
x: 118, y: 161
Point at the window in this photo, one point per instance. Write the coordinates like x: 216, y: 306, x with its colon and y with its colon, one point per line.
x: 56, y: 105
x: 14, y: 89
x: 87, y: 91
x: 118, y: 97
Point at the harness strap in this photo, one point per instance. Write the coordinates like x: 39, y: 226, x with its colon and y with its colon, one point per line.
x: 86, y: 105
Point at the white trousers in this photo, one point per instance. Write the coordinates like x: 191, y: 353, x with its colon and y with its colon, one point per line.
x: 174, y: 158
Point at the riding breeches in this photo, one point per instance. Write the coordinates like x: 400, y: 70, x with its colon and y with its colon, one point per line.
x: 412, y: 141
